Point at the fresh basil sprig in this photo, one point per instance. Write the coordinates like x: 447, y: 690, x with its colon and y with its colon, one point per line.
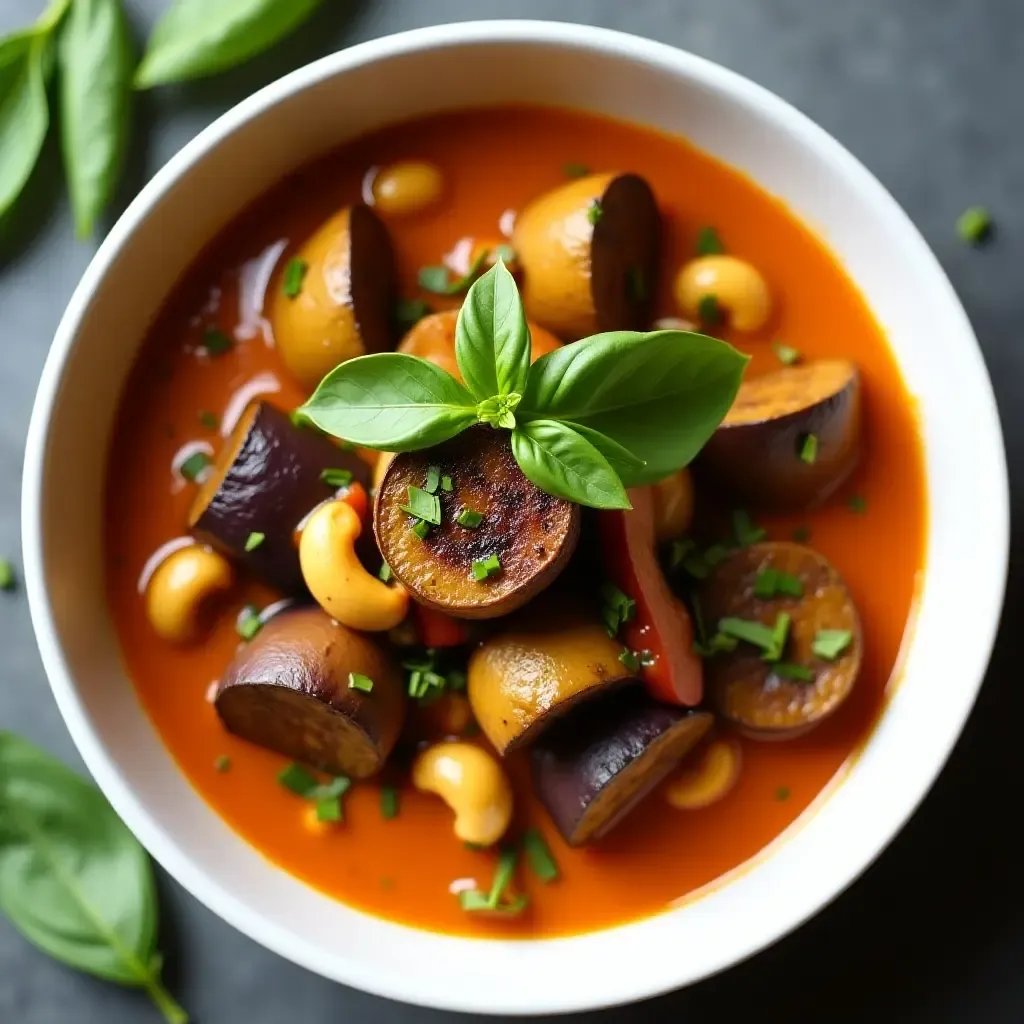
x: 588, y: 420
x: 73, y: 880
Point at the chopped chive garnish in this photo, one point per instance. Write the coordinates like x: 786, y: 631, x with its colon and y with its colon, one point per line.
x: 216, y: 342
x: 421, y: 529
x: 294, y: 275
x: 594, y: 211
x: 782, y: 793
x: 388, y: 802
x: 195, y: 466
x: 798, y: 673
x: 254, y: 540
x: 433, y: 480
x: 723, y: 642
x: 409, y: 312
x: 575, y: 170
x: 384, y: 572
x: 630, y: 660
x: 474, y: 900
x: 446, y: 484
x: 336, y: 477
x: 618, y: 608
x: 830, y: 643
x: 470, y: 518
x: 438, y: 280
x: 357, y: 681
x: 209, y: 420
x: 765, y: 584
x: 681, y: 549
x: 485, y: 568
x: 423, y: 505
x: 297, y: 779
x: 809, y: 449
x: 715, y: 553
x: 249, y: 622
x: 745, y: 530
x: 786, y: 354
x: 857, y: 503
x: 708, y: 310
x: 708, y: 242
x: 802, y: 534
x: 338, y: 786
x: 748, y: 630
x: 780, y: 633
x: 328, y: 809
x: 789, y: 584
x: 538, y: 856
x: 456, y: 679
x: 974, y: 225
x: 6, y: 575
x: 222, y: 763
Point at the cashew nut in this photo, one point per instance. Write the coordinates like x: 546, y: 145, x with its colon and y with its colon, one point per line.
x: 336, y: 578
x: 707, y: 781
x: 673, y: 505
x: 183, y: 589
x: 737, y: 287
x: 472, y: 783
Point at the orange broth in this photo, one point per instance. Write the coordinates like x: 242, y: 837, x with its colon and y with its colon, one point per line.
x: 494, y: 161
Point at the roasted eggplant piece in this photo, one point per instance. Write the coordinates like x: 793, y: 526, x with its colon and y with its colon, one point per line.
x: 552, y: 656
x: 289, y: 690
x: 781, y: 700
x: 589, y: 250
x: 530, y: 533
x: 267, y: 479
x: 335, y: 298
x: 791, y: 438
x: 599, y: 761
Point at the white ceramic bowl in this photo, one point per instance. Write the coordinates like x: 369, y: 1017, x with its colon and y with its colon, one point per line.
x: 316, y: 108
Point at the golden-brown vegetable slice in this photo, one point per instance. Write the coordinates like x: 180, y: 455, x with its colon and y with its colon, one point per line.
x: 745, y: 688
x: 552, y: 656
x: 791, y: 437
x: 599, y: 761
x: 530, y: 532
x: 589, y: 251
x: 341, y: 303
x: 288, y: 690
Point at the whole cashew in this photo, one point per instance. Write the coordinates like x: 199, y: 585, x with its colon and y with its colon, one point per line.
x: 737, y: 287
x: 184, y: 586
x: 472, y: 783
x: 336, y: 578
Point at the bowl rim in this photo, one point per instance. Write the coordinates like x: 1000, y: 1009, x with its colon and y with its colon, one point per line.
x: 144, y: 824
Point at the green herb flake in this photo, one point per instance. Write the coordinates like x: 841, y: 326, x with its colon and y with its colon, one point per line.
x: 357, y: 681
x: 830, y: 643
x: 384, y: 572
x: 708, y: 242
x: 745, y: 531
x: 421, y: 529
x: 780, y: 634
x: 782, y: 793
x: 715, y: 554
x: 437, y: 279
x: 575, y: 170
x: 409, y: 312
x: 595, y: 212
x: 469, y: 518
x: 195, y: 466
x: 222, y: 764
x: 433, y: 480
x: 809, y: 449
x: 423, y: 506
x: 446, y: 484
x: 749, y: 631
x: 493, y: 902
x: 328, y: 809
x: 765, y: 584
x: 216, y: 342
x: 388, y: 802
x: 617, y: 608
x: 802, y: 534
x: 294, y: 275
x: 709, y: 311
x: 539, y: 857
x: 795, y: 673
x: 630, y: 660
x: 249, y: 622
x: 254, y: 540
x: 474, y: 900
x: 297, y: 779
x: 337, y: 478
x: 974, y: 225
x: 7, y: 579
x: 209, y: 420
x: 485, y: 568
x: 857, y: 503
x: 786, y: 354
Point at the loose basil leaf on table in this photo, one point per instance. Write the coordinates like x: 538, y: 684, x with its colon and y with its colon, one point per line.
x: 73, y: 879
x: 659, y: 395
x: 390, y: 401
x: 96, y: 59
x: 201, y: 37
x: 492, y: 341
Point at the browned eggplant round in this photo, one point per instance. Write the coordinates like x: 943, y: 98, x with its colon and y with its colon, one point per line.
x: 589, y: 251
x: 791, y: 438
x: 267, y: 479
x: 532, y: 533
x: 746, y: 689
x: 288, y: 690
x: 592, y: 767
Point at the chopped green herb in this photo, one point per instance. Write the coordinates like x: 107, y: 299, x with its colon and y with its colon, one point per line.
x: 681, y: 549
x: 786, y: 354
x: 222, y: 763
x: 438, y: 280
x: 798, y: 673
x: 421, y: 529
x: 456, y: 679
x: 485, y: 568
x: 538, y: 856
x: 595, y: 212
x: 409, y: 312
x: 298, y: 780
x: 749, y: 631
x: 195, y: 466
x: 388, y: 802
x: 254, y: 540
x: 423, y: 505
x: 974, y: 225
x: 474, y: 900
x: 469, y: 518
x: 357, y: 681
x: 294, y: 275
x: 780, y: 633
x: 338, y: 786
x: 433, y: 480
x: 446, y: 484
x: 384, y: 572
x: 7, y: 580
x: 575, y: 170
x: 802, y: 534
x: 715, y: 553
x: 809, y: 449
x: 216, y: 342
x: 830, y: 643
x: 249, y: 622
x: 328, y: 809
x: 708, y: 242
x: 789, y: 585
x: 209, y: 420
x: 618, y: 608
x: 857, y: 503
x: 771, y: 583
x: 708, y: 310
x: 336, y: 477
x: 630, y: 660
x: 782, y: 793
x: 744, y: 529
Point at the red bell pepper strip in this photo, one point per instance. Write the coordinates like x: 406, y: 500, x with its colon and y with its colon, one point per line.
x: 435, y: 629
x: 660, y: 625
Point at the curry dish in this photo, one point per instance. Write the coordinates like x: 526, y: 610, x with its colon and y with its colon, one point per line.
x: 559, y: 635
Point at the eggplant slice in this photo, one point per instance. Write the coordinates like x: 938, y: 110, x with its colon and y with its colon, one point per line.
x: 745, y: 688
x: 762, y: 453
x: 267, y: 480
x: 598, y: 762
x: 288, y: 690
x: 532, y: 533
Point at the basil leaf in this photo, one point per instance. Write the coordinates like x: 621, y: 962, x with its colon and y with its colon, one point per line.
x: 96, y: 59
x: 623, y: 461
x: 73, y: 879
x: 202, y: 37
x: 390, y: 401
x: 659, y: 395
x: 492, y: 341
x: 563, y: 463
x: 24, y: 113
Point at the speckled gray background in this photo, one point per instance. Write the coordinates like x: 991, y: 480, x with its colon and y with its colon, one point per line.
x: 930, y: 95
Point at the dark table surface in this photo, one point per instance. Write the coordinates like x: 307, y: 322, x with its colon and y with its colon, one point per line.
x: 930, y: 95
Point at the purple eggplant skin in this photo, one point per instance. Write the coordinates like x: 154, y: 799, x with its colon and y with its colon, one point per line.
x: 599, y: 762
x: 267, y: 480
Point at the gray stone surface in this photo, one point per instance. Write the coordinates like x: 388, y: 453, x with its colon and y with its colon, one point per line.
x: 929, y: 93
